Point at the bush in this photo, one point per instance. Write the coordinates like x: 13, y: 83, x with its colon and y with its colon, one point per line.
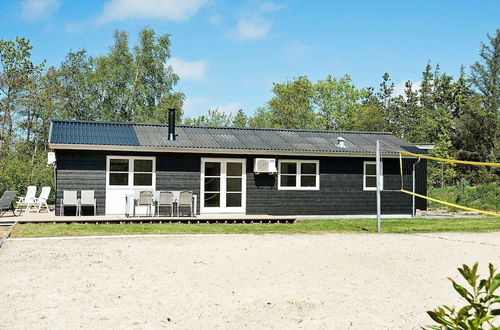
x: 20, y: 170
x: 483, y: 197
x: 482, y: 303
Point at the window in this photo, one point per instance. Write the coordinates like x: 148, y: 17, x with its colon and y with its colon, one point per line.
x: 370, y: 176
x: 131, y: 171
x: 298, y: 175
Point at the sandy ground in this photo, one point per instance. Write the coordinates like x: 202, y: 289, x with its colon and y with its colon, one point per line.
x: 330, y: 281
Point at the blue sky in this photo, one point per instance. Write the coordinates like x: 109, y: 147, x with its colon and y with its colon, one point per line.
x: 228, y: 53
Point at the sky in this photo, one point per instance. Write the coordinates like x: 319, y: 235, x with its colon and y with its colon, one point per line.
x: 229, y: 53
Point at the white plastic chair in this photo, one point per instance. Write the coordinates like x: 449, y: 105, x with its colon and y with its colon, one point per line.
x: 69, y: 199
x: 185, y: 200
x: 28, y: 201
x: 87, y: 199
x: 41, y: 201
x: 166, y: 199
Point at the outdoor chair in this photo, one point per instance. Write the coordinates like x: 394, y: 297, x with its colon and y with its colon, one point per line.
x: 6, y: 202
x: 41, y: 201
x: 166, y: 199
x: 87, y: 199
x: 28, y: 201
x: 145, y: 199
x: 185, y: 200
x: 69, y: 199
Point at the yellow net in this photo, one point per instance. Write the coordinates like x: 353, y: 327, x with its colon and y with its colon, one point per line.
x: 403, y: 153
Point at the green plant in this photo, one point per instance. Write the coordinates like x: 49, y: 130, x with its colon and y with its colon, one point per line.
x: 480, y: 310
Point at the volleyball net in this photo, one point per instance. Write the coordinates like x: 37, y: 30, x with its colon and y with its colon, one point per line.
x: 441, y: 181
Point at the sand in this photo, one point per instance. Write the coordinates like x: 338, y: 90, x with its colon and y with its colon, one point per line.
x: 329, y: 281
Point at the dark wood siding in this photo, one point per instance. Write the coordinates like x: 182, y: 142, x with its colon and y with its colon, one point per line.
x: 341, y: 183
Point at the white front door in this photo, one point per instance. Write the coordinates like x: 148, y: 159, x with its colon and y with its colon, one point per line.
x: 223, y: 185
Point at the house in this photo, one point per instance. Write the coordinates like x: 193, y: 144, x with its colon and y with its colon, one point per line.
x: 231, y: 170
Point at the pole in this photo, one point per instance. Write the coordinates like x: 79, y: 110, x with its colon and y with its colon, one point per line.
x: 414, y: 211
x: 379, y: 208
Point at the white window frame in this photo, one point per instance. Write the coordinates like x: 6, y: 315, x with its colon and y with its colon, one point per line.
x: 223, y: 192
x: 365, y: 188
x: 298, y: 163
x: 131, y: 173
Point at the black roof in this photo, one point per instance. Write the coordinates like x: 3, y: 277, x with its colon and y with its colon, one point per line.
x: 138, y: 136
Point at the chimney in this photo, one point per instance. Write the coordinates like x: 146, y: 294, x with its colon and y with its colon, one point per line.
x: 340, y: 142
x: 171, y: 124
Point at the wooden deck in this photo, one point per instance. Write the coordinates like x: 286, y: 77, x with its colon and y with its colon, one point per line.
x: 216, y: 218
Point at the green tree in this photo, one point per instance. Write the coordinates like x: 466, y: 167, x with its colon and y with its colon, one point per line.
x: 337, y: 101
x: 440, y: 174
x: 154, y: 82
x: 240, y: 119
x: 115, y: 78
x: 17, y: 76
x: 485, y: 76
x: 214, y: 117
x: 292, y: 104
x: 78, y: 94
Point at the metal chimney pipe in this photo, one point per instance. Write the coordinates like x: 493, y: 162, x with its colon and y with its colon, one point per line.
x: 171, y: 124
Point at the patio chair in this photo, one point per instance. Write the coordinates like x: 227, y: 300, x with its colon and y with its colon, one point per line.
x: 185, y: 200
x: 87, y: 199
x: 145, y: 199
x: 69, y: 199
x: 28, y: 201
x: 6, y: 202
x: 166, y: 199
x: 41, y: 201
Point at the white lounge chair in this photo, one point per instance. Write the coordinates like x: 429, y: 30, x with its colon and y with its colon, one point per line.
x: 87, y: 199
x: 69, y: 199
x: 28, y: 201
x: 41, y: 201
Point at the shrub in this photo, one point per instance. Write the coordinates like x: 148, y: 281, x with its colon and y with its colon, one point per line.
x: 482, y: 303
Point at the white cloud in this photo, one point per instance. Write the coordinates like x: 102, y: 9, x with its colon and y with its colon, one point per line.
x: 171, y: 10
x: 230, y: 108
x: 194, y: 70
x: 215, y: 19
x: 269, y: 7
x: 399, y: 88
x: 34, y: 10
x: 296, y: 50
x: 194, y: 106
x: 251, y: 29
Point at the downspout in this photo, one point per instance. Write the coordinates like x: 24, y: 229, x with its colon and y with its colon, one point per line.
x: 413, y: 188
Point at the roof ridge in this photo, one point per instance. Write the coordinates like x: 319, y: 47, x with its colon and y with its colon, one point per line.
x: 220, y: 128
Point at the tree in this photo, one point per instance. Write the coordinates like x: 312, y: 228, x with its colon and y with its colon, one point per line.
x: 78, y: 93
x: 440, y: 173
x: 115, y: 77
x: 214, y: 117
x: 154, y: 82
x: 241, y: 119
x: 292, y: 104
x: 17, y: 76
x: 485, y: 76
x: 337, y: 101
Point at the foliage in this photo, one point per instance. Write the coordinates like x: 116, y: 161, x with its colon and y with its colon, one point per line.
x: 214, y: 117
x: 441, y: 173
x: 482, y: 302
x: 132, y: 83
x: 483, y: 197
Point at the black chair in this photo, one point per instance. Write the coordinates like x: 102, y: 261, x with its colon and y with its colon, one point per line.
x: 6, y: 202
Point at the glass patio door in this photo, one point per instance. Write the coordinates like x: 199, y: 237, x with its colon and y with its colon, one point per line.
x: 223, y: 185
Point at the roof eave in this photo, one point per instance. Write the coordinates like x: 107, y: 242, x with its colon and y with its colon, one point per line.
x: 60, y: 146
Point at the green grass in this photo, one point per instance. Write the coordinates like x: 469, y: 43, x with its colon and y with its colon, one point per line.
x: 407, y: 225
x: 482, y: 197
